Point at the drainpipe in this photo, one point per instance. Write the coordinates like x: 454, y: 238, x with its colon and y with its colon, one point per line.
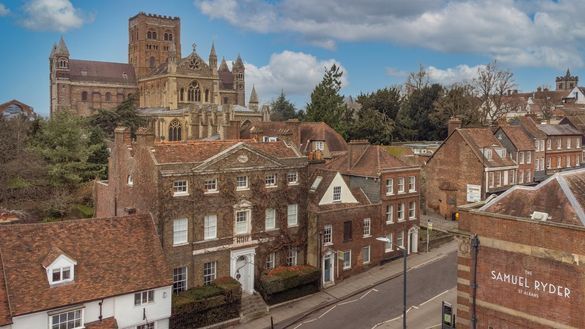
x: 475, y: 251
x: 320, y: 258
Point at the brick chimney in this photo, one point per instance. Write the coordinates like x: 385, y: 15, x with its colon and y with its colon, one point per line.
x: 122, y: 136
x: 144, y: 137
x: 355, y: 149
x: 454, y: 123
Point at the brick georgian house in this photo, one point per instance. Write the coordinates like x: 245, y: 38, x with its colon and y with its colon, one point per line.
x: 222, y: 208
x: 355, y: 198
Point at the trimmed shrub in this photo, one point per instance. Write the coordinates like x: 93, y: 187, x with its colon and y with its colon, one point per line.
x: 288, y: 282
x: 206, y: 305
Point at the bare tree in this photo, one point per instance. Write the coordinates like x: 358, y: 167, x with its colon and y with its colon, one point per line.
x: 491, y: 85
x: 544, y: 99
x: 417, y: 80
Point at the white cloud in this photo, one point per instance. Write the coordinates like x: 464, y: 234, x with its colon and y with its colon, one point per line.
x: 448, y: 76
x: 53, y: 15
x: 3, y: 10
x: 396, y: 73
x: 517, y: 32
x: 295, y: 73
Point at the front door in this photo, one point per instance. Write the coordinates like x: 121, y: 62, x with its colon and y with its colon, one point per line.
x: 327, y: 270
x: 413, y: 240
x: 243, y: 272
x: 242, y: 268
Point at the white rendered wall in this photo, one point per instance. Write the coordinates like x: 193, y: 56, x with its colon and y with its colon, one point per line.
x: 346, y: 196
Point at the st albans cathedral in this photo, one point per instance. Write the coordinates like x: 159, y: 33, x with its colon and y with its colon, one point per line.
x: 182, y: 97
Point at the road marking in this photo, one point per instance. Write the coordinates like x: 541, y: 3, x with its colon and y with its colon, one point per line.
x: 355, y: 300
x: 435, y: 326
x: 387, y: 321
x: 444, y: 292
x: 427, y: 262
x: 329, y: 310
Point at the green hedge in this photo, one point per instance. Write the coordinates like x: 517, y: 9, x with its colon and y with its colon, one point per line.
x: 288, y: 282
x: 203, y: 306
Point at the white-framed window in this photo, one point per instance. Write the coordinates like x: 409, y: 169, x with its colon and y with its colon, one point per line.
x: 270, y: 219
x: 144, y: 297
x: 179, y: 279
x: 568, y: 142
x: 388, y: 246
x: 269, y: 139
x: 180, y: 227
x: 412, y: 184
x: 209, y: 272
x: 542, y: 144
x: 327, y: 234
x: 270, y: 180
x: 401, y: 185
x: 130, y: 180
x: 521, y: 157
x: 389, y: 214
x: 548, y: 163
x: 577, y: 163
x: 558, y: 162
x: 528, y: 176
x: 210, y: 227
x: 537, y: 145
x: 520, y: 176
x: 242, y: 221
x: 401, y: 212
x: 210, y: 185
x: 336, y: 193
x: 389, y: 186
x: 61, y: 274
x: 578, y: 142
x: 319, y: 145
x: 542, y: 164
x: 400, y: 239
x: 568, y: 161
x: 347, y: 259
x: 367, y: 227
x: 67, y: 320
x: 291, y: 259
x: 270, y: 261
x: 491, y: 179
x: 412, y: 210
x: 559, y: 143
x: 146, y: 326
x: 241, y: 182
x: 292, y: 178
x: 292, y: 215
x: 180, y: 188
x: 366, y: 254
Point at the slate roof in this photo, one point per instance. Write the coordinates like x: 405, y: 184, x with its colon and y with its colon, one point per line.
x: 528, y: 124
x: 558, y: 130
x: 562, y: 196
x: 199, y: 151
x: 369, y: 161
x: 114, y: 256
x: 518, y: 137
x: 106, y: 72
x: 480, y: 139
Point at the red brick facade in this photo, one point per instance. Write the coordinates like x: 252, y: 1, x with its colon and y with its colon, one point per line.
x: 528, y: 273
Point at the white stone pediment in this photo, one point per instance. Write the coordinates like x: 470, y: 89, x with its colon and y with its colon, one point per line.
x: 238, y: 157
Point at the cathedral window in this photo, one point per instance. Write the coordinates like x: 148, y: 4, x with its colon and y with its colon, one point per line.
x: 181, y: 94
x: 84, y: 96
x: 149, y: 35
x: 108, y: 97
x: 206, y: 95
x: 152, y: 62
x: 166, y: 37
x: 225, y: 100
x: 62, y: 63
x: 194, y: 94
x: 154, y: 35
x: 175, y: 130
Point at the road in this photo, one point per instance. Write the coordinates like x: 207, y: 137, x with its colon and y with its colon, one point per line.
x: 381, y: 307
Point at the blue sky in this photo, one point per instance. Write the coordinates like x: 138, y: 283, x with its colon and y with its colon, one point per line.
x: 286, y: 44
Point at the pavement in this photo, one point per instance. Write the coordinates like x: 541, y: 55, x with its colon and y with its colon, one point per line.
x: 439, y: 222
x: 357, y: 287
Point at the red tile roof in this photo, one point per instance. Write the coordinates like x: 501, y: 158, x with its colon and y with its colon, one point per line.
x: 114, y: 256
x: 320, y: 131
x: 327, y: 177
x: 528, y: 124
x: 562, y: 197
x: 370, y: 160
x: 107, y: 323
x: 519, y: 137
x: 199, y: 151
x: 480, y: 139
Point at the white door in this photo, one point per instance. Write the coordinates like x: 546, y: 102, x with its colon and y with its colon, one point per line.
x: 242, y: 268
x: 413, y: 240
x: 243, y: 272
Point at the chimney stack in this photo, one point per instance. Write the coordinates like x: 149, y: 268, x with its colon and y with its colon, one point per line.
x: 454, y: 123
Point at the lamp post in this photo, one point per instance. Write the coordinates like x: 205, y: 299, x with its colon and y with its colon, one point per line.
x: 404, y: 254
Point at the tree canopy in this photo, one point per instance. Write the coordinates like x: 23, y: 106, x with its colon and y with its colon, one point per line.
x: 282, y: 109
x: 124, y: 115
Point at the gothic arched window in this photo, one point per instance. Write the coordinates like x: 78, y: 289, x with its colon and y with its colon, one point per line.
x: 84, y: 96
x: 154, y: 35
x: 152, y: 62
x: 149, y: 35
x: 194, y: 93
x: 175, y: 130
x: 62, y: 63
x: 181, y: 94
x: 166, y: 37
x: 206, y: 95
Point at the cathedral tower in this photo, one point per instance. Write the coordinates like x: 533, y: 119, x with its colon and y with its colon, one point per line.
x: 59, y: 70
x: 239, y: 82
x: 568, y: 82
x: 149, y: 41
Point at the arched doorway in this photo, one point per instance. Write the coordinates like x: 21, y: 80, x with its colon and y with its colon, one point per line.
x: 242, y: 268
x: 175, y: 131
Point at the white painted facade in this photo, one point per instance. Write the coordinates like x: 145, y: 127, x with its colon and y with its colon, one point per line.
x: 577, y: 94
x: 346, y: 195
x: 121, y: 307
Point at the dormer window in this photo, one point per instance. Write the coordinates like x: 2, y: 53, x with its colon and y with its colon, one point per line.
x: 319, y: 145
x: 59, y: 267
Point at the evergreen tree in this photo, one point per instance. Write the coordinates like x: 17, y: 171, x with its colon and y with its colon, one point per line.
x: 124, y: 115
x: 282, y: 109
x: 413, y: 118
x: 327, y: 104
x: 385, y: 101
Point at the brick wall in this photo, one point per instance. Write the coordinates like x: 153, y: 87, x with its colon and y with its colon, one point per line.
x: 518, y: 263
